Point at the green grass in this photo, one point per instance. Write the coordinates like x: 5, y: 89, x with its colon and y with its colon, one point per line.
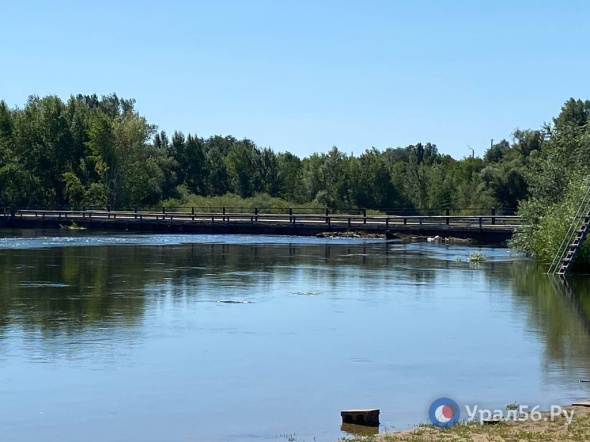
x: 578, y: 430
x: 477, y: 257
x: 236, y: 204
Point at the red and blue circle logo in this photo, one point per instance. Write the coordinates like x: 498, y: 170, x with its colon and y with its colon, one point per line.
x: 444, y: 412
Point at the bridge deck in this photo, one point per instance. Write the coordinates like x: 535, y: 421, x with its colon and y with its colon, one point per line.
x: 487, y: 228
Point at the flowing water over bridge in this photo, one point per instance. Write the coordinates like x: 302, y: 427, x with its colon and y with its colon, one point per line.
x: 485, y: 228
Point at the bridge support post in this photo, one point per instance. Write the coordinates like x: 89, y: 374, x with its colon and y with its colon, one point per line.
x: 447, y: 213
x: 493, y: 215
x: 364, y: 216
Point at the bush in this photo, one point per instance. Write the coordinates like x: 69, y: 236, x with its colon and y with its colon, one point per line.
x: 547, y: 226
x: 235, y: 204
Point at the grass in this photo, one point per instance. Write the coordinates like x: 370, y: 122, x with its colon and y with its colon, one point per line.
x: 477, y: 257
x: 578, y: 430
x: 234, y: 203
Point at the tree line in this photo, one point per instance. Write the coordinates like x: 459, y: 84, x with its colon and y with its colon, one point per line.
x: 558, y: 178
x: 99, y: 151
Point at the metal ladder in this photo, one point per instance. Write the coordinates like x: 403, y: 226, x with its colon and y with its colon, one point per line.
x: 574, y: 237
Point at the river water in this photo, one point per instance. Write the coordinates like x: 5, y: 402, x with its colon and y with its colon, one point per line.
x: 127, y: 337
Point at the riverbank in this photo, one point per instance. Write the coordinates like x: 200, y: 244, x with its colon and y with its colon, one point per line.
x: 544, y: 429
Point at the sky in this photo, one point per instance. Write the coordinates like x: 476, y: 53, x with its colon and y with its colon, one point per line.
x: 303, y: 76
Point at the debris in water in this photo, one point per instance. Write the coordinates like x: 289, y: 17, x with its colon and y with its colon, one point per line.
x: 351, y: 234
x: 72, y: 226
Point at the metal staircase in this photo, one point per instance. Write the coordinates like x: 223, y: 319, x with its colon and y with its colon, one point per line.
x: 573, y: 239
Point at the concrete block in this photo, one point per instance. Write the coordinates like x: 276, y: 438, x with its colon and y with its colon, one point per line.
x: 367, y: 417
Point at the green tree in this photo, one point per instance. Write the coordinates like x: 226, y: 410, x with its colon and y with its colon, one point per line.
x: 290, y: 178
x: 216, y: 149
x: 371, y: 182
x: 242, y: 164
x: 556, y: 175
x: 193, y: 164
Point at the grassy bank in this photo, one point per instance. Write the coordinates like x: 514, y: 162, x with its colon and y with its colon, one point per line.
x: 235, y: 203
x: 543, y: 430
x: 261, y: 201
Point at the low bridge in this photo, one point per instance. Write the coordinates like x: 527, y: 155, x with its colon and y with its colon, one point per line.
x: 483, y: 228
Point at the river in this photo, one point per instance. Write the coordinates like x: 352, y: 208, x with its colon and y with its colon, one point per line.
x: 128, y: 337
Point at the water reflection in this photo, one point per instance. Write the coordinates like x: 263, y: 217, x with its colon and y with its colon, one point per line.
x: 559, y: 312
x: 359, y: 430
x: 65, y: 290
x: 208, y: 326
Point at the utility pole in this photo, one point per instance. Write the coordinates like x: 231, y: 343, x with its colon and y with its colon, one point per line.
x: 472, y: 151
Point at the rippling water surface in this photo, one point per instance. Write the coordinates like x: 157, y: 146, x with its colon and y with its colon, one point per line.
x: 128, y: 337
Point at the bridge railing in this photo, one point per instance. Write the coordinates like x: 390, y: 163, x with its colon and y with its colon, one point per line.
x: 328, y: 219
x: 295, y: 210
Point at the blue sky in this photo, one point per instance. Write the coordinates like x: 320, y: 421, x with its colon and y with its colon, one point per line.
x: 306, y: 75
